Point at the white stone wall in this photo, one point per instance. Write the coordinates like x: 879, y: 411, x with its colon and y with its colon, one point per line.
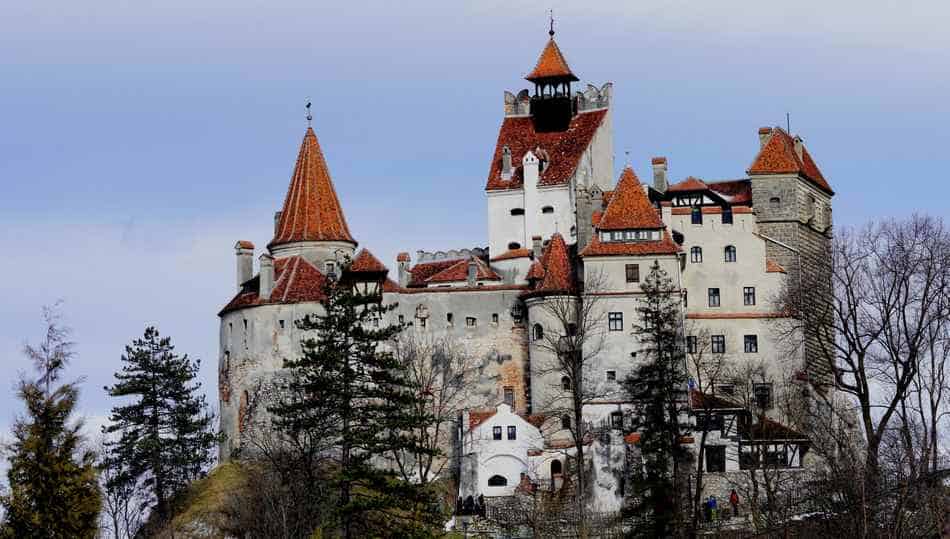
x: 504, y: 228
x: 486, y: 457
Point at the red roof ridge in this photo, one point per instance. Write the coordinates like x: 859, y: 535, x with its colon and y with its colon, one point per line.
x: 459, y: 272
x: 691, y: 183
x: 365, y: 261
x: 311, y: 210
x: 629, y: 206
x: 558, y: 269
x: 512, y: 253
x: 551, y: 64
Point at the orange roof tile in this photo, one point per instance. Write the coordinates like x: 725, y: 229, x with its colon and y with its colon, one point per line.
x: 689, y: 184
x: 311, y: 210
x: 632, y: 438
x: 459, y: 272
x: 629, y: 206
x: 536, y: 271
x: 773, y: 267
x: 778, y: 156
x: 665, y: 246
x: 423, y: 270
x: 366, y: 262
x: 564, y: 148
x: 295, y: 281
x: 512, y: 253
x: 551, y: 65
x: 477, y: 418
x: 244, y: 244
x: 733, y: 191
x: 558, y: 269
x: 705, y: 401
x: 710, y: 210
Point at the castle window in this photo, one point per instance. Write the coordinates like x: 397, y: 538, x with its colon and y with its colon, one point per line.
x: 611, y: 376
x: 696, y: 215
x: 517, y: 211
x: 713, y: 297
x: 696, y: 254
x: 230, y: 332
x: 774, y: 202
x: 496, y: 433
x: 402, y: 320
x: 565, y: 382
x: 470, y: 321
x: 763, y: 396
x: 494, y: 318
x: 497, y: 480
x: 718, y: 344
x: 547, y: 209
x: 692, y: 345
x: 566, y: 422
x: 751, y: 344
x: 422, y: 322
x: 727, y: 215
x: 509, y: 396
x: 512, y: 432
x: 616, y: 420
x: 449, y: 318
x: 748, y: 295
x: 730, y: 253
x: 281, y: 322
x: 633, y: 273
x: 514, y: 245
x: 615, y: 321
x: 245, y: 333
x: 685, y: 299
x: 537, y: 332
x: 715, y: 458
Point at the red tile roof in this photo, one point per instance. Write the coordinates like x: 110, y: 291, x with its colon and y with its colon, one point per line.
x: 689, y: 184
x: 244, y: 244
x: 767, y: 429
x: 536, y: 271
x: 632, y: 438
x: 459, y: 272
x: 629, y: 206
x: 390, y: 286
x: 665, y: 246
x: 773, y: 267
x: 512, y: 253
x: 564, y: 149
x: 734, y: 191
x: 710, y: 210
x: 422, y: 271
x: 558, y: 270
x: 704, y: 401
x: 311, y: 210
x: 551, y: 64
x: 778, y: 156
x: 477, y: 418
x: 366, y: 262
x: 295, y: 281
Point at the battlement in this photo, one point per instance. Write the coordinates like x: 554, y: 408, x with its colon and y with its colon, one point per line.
x: 452, y: 254
x: 592, y: 98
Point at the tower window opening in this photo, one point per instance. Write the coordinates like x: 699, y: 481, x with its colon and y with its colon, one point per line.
x: 514, y: 245
x: 517, y: 211
x: 547, y: 209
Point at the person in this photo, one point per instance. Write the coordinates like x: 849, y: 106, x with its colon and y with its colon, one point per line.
x: 707, y: 509
x: 734, y: 502
x: 714, y: 509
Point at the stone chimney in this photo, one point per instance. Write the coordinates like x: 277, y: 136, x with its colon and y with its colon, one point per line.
x: 506, y: 163
x: 659, y: 174
x: 536, y: 247
x: 267, y: 276
x: 472, y: 272
x: 245, y: 261
x: 277, y: 221
x: 402, y: 261
x: 799, y: 146
x: 764, y: 133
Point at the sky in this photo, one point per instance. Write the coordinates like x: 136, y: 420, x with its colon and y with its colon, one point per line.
x: 140, y: 140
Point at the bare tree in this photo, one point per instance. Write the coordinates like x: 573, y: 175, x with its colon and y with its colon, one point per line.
x: 868, y: 314
x: 571, y: 340
x: 440, y: 370
x: 122, y: 506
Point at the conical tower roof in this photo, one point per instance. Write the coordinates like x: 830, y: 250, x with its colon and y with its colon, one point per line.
x: 551, y: 65
x: 311, y: 210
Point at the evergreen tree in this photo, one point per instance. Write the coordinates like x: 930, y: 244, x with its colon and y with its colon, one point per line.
x: 53, y: 487
x: 657, y: 387
x: 164, y: 434
x: 348, y: 389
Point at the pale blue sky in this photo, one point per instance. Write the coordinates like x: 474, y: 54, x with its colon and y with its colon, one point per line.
x: 139, y: 143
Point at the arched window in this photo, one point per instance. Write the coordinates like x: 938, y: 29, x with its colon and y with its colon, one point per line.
x: 565, y: 422
x: 556, y: 468
x: 514, y: 245
x: 730, y: 253
x: 696, y: 254
x: 517, y: 211
x: 537, y: 332
x: 565, y: 382
x: 497, y: 481
x: 547, y: 209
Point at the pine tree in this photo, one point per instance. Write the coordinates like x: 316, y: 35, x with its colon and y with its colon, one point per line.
x: 53, y: 487
x: 657, y: 388
x: 164, y: 434
x: 348, y: 389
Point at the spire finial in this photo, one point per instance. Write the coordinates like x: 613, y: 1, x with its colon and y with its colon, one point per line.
x: 626, y: 154
x: 551, y: 15
x: 309, y: 116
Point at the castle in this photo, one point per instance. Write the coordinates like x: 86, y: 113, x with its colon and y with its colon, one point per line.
x: 557, y: 217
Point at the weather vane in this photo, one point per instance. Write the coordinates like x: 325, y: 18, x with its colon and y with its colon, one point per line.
x: 627, y: 154
x: 309, y: 116
x: 551, y: 31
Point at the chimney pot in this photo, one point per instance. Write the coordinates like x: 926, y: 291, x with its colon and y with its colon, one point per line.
x: 536, y: 247
x: 472, y: 272
x: 244, y: 251
x: 660, y: 182
x: 764, y: 133
x: 266, y: 276
x: 403, y: 262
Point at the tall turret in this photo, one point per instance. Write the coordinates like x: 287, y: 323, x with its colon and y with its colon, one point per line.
x: 551, y: 105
